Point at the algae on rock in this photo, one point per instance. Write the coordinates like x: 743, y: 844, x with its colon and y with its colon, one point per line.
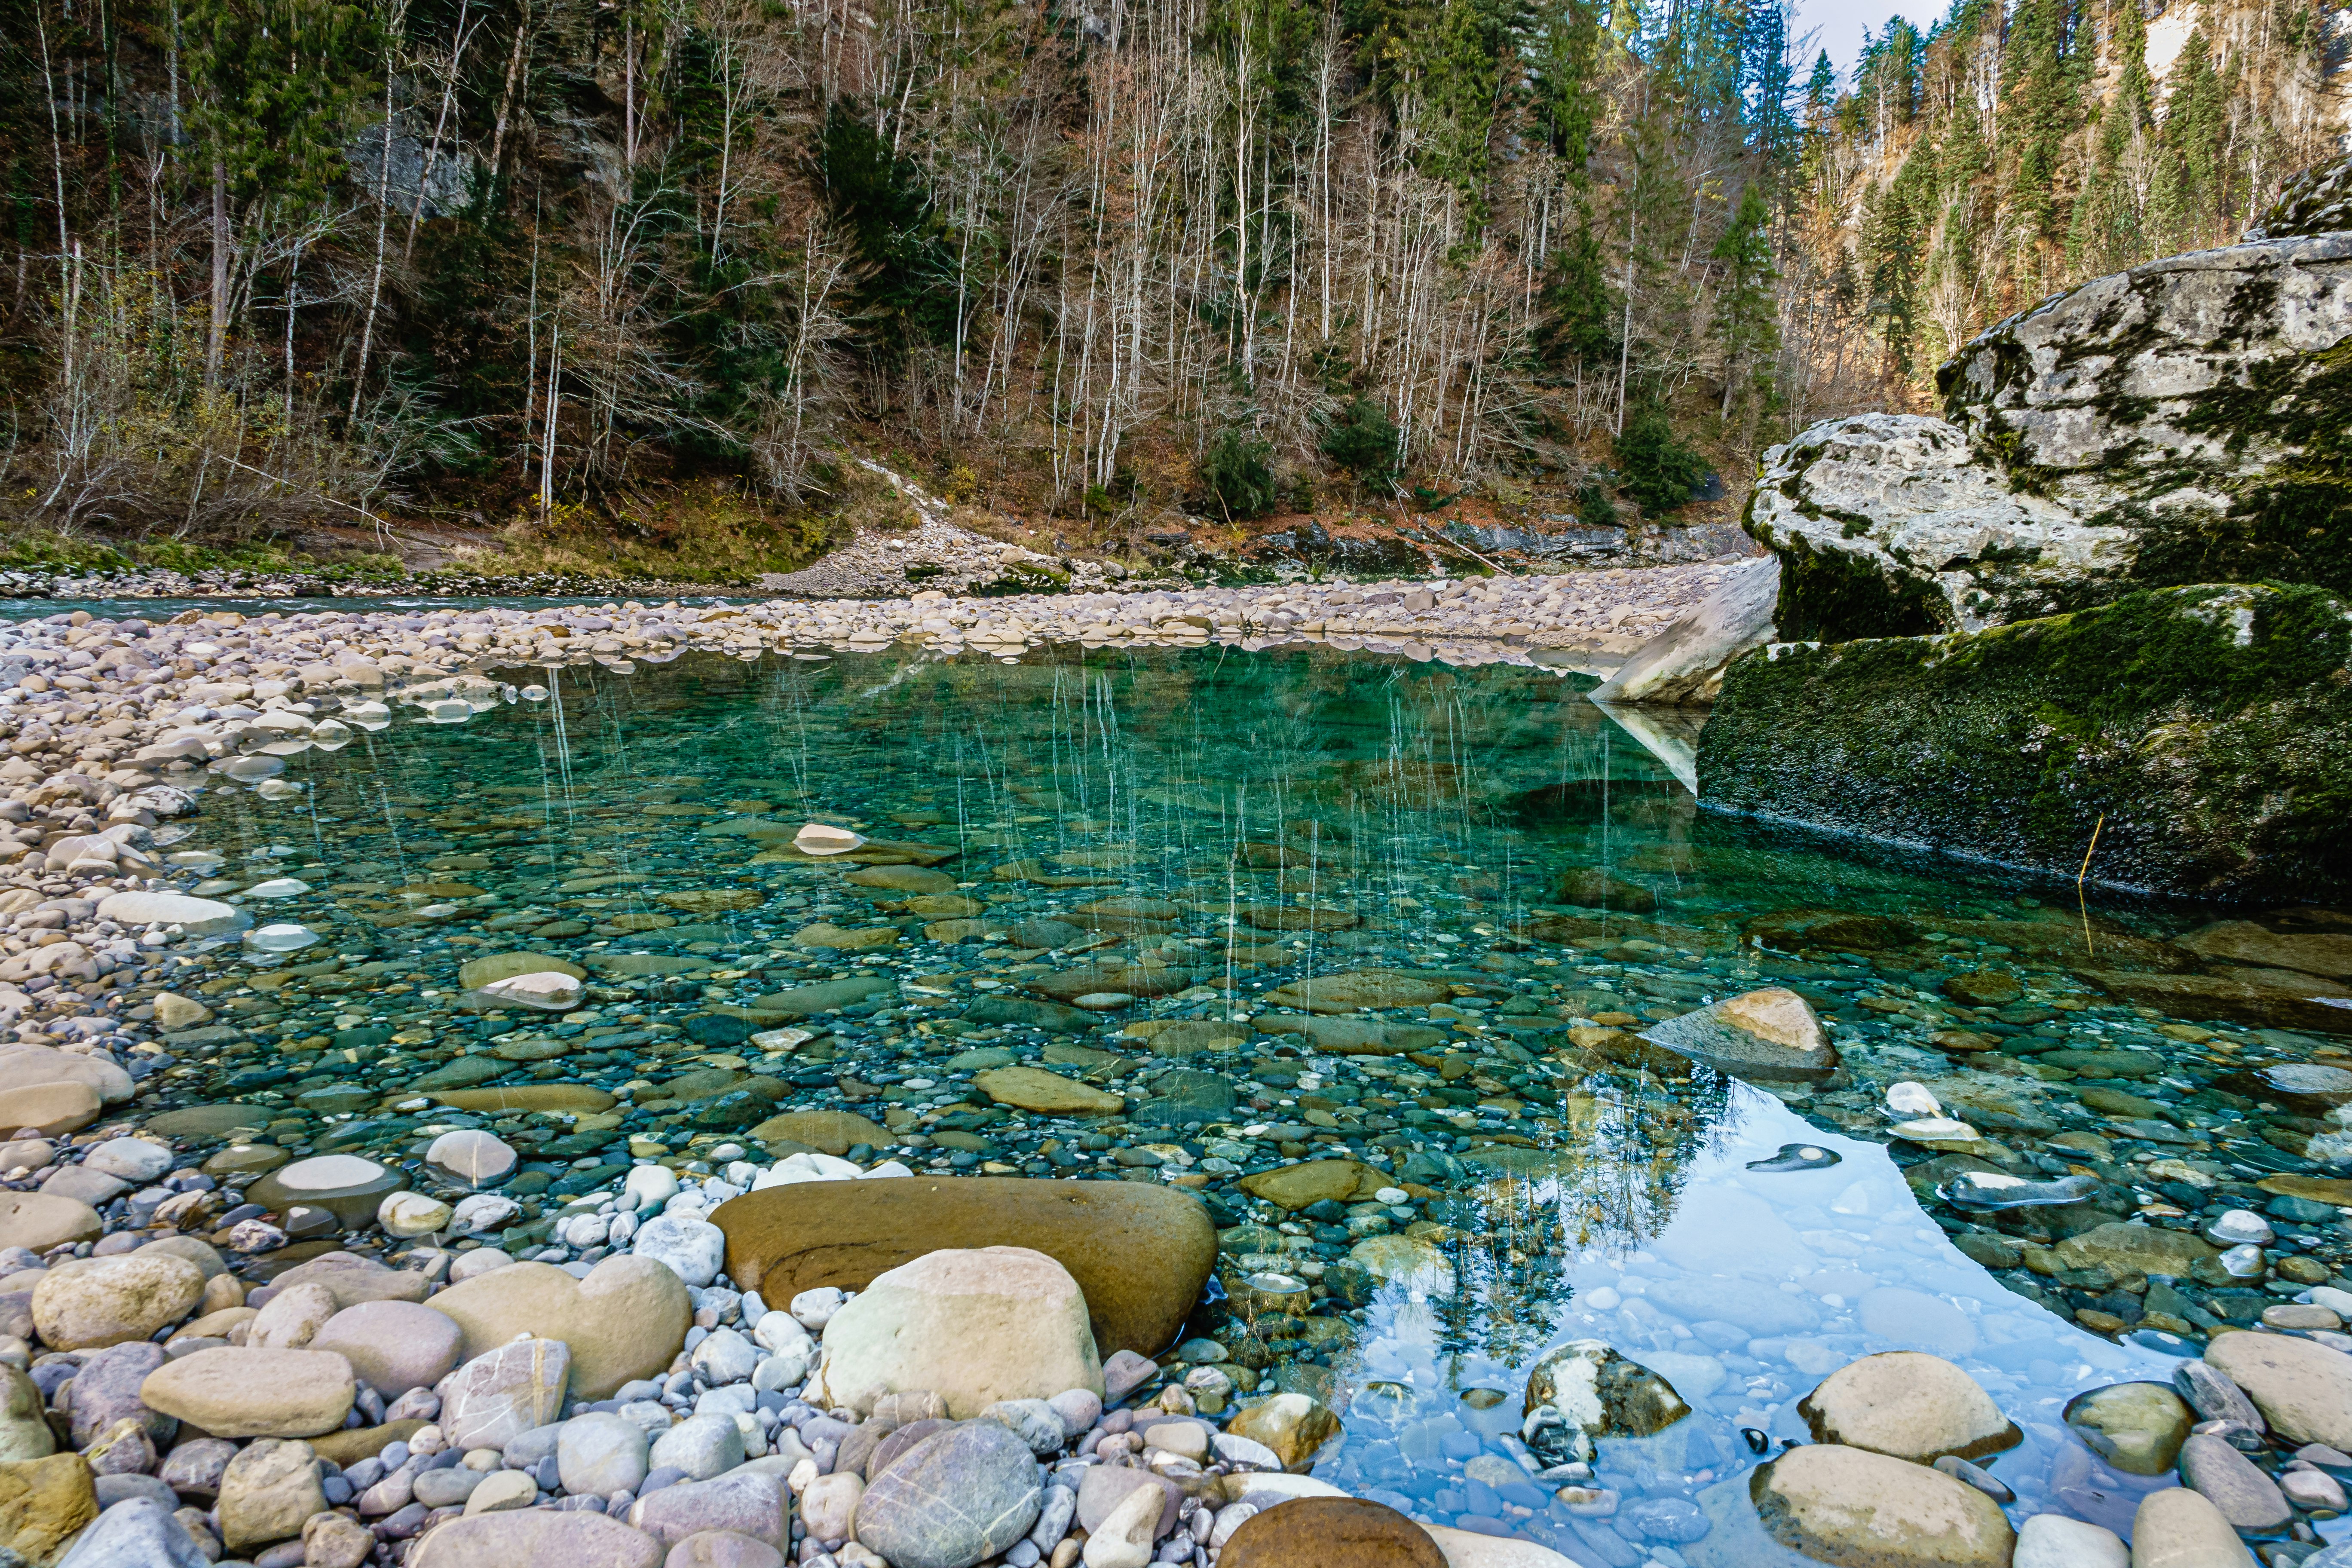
x: 2209, y: 726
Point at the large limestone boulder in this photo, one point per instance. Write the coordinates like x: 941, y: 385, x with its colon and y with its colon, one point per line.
x: 783, y: 1240
x: 626, y: 1320
x: 2177, y: 423
x: 2209, y: 726
x: 1889, y: 525
x: 1683, y: 666
x: 974, y: 1326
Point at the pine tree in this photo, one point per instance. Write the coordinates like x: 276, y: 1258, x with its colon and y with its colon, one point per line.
x: 2041, y: 108
x: 2106, y: 233
x: 1894, y: 234
x: 2195, y: 146
x: 1745, y: 328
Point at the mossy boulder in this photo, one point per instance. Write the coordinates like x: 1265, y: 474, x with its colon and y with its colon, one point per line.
x: 2205, y: 732
x: 2188, y: 421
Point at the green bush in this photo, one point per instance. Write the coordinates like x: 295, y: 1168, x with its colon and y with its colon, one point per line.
x: 1593, y: 506
x: 1237, y: 472
x: 1363, y: 440
x: 1660, y: 472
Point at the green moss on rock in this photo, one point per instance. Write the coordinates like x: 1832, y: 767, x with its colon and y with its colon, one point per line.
x: 2209, y: 725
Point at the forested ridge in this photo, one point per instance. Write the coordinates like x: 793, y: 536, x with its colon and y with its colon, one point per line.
x: 567, y: 262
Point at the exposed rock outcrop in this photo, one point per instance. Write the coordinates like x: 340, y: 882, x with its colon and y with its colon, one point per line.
x: 2186, y: 421
x: 2209, y: 726
x: 2108, y: 592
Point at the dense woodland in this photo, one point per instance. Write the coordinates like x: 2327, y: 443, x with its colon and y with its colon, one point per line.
x: 282, y: 260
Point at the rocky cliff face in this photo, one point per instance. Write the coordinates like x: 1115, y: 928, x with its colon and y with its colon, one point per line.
x: 2188, y: 421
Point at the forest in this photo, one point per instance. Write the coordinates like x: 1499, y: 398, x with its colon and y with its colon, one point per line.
x: 548, y: 263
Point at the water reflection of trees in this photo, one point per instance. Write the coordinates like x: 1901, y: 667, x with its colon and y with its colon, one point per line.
x: 1614, y: 1181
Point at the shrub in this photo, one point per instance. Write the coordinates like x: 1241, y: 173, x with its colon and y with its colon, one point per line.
x: 1660, y: 472
x: 1363, y: 440
x: 1237, y: 472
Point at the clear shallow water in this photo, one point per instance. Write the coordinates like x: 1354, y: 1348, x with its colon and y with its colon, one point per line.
x: 1487, y: 835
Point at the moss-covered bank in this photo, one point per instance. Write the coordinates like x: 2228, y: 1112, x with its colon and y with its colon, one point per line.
x: 2209, y: 725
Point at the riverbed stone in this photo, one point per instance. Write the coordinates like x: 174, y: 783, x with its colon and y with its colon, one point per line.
x: 38, y: 1221
x: 692, y: 1247
x: 600, y: 1453
x: 1586, y: 1389
x: 1854, y: 1509
x: 392, y: 1346
x: 134, y: 1160
x: 354, y: 1278
x: 291, y: 1318
x: 834, y: 1132
x: 1046, y: 1094
x: 1771, y: 1034
x: 2123, y: 1249
x: 505, y: 1391
x: 1307, y: 1531
x: 701, y: 1445
x: 2177, y: 1528
x: 1294, y: 1425
x: 516, y: 1536
x: 2247, y: 1497
x: 23, y: 1065
x: 1344, y: 992
x: 2055, y: 1541
x: 1910, y: 1405
x: 234, y: 1391
x: 91, y: 1303
x: 748, y: 1502
x: 136, y: 1532
x: 625, y: 1321
x: 782, y: 1241
x: 2138, y: 1428
x: 349, y: 1186
x: 722, y: 1549
x: 2303, y: 1388
x: 491, y: 968
x: 973, y: 1325
x: 106, y: 1391
x: 956, y: 1499
x: 25, y: 1432
x: 471, y: 1159
x: 267, y: 1492
x: 43, y: 1502
x: 1294, y: 1187
x: 52, y: 1110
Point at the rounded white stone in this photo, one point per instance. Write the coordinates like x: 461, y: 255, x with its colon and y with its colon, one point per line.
x: 197, y: 917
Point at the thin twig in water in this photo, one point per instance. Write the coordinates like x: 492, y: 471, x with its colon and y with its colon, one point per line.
x: 2085, y: 871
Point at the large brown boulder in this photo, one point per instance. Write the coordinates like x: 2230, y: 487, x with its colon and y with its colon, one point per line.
x: 1141, y: 1254
x: 1309, y: 1533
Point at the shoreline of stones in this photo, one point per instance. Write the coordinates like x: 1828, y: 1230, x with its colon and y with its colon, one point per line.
x: 100, y: 1315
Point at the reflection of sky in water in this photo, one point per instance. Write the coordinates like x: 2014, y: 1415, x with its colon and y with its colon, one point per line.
x: 1429, y: 810
x: 1759, y: 1284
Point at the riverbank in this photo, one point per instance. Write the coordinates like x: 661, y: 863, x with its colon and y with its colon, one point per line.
x: 390, y: 1111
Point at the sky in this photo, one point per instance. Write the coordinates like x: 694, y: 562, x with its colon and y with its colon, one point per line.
x: 1837, y: 26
